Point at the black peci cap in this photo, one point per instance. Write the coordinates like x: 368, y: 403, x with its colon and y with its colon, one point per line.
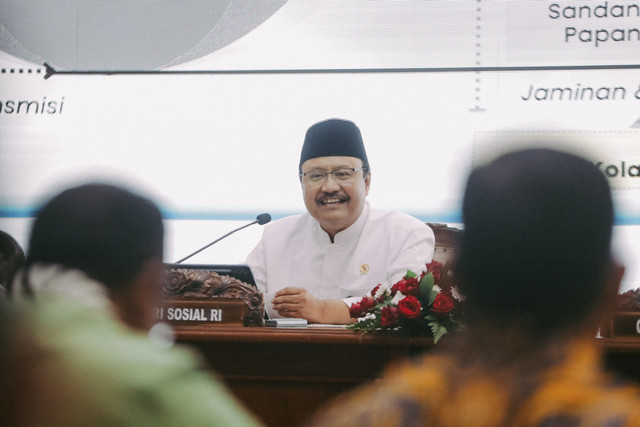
x: 333, y: 137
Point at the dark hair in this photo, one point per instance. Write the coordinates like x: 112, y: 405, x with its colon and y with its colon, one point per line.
x: 11, y: 259
x: 536, y: 240
x: 105, y: 231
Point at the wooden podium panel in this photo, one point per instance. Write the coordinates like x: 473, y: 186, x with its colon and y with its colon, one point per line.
x: 284, y: 375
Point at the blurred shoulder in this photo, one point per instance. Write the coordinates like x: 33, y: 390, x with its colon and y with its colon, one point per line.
x: 404, y: 397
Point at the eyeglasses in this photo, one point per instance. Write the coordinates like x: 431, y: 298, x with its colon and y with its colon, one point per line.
x: 318, y: 177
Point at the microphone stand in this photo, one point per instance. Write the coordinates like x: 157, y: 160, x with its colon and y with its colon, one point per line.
x: 216, y: 241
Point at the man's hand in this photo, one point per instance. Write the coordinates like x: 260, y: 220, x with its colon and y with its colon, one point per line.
x: 298, y: 302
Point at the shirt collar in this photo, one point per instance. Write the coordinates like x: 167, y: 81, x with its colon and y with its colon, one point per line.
x: 350, y: 233
x: 49, y: 281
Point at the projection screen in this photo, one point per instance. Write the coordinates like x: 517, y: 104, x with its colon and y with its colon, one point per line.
x: 203, y: 105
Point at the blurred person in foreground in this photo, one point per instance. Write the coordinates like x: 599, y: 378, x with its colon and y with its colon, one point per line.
x: 536, y: 267
x: 75, y: 344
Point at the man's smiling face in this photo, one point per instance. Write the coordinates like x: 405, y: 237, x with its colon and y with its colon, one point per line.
x: 336, y: 205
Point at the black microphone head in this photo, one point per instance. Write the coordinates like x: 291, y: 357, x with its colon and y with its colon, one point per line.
x: 263, y: 218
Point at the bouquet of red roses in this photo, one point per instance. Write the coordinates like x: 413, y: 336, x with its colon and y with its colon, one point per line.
x: 417, y: 304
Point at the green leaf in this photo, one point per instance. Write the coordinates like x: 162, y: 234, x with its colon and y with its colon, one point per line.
x: 426, y: 287
x: 438, y: 331
x: 410, y: 275
x: 366, y: 325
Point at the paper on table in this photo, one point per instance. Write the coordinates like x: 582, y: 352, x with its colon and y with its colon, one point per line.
x: 288, y: 322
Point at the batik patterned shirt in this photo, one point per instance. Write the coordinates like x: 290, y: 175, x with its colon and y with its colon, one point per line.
x: 435, y: 391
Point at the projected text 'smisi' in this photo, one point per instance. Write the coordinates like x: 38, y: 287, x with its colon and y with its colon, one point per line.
x: 32, y: 107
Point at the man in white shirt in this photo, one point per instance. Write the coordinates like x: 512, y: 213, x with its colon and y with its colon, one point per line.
x: 318, y: 263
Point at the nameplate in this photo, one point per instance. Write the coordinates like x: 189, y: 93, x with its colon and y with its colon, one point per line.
x: 625, y: 324
x: 200, y: 297
x: 215, y: 311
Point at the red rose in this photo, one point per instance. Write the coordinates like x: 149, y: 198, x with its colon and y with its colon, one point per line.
x: 374, y: 291
x: 396, y: 287
x: 410, y: 286
x: 367, y: 303
x: 435, y: 267
x: 359, y: 308
x: 409, y: 307
x: 442, y: 304
x: 389, y: 316
x: 355, y: 310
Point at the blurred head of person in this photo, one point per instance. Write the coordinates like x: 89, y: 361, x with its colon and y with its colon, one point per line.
x: 535, y: 251
x: 113, y: 236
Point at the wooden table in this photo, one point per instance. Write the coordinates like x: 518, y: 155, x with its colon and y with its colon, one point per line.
x: 622, y: 356
x: 283, y: 375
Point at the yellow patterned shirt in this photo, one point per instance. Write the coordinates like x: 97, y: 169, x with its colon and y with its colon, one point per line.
x: 435, y: 391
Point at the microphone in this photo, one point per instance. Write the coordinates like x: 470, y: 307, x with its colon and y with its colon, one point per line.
x: 261, y: 219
